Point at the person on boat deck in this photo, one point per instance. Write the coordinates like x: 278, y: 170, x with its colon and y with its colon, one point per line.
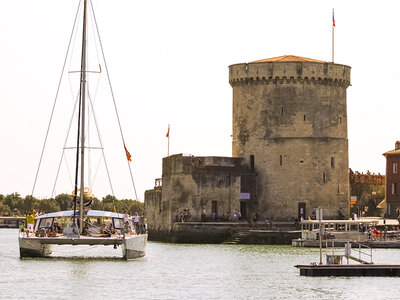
x: 126, y: 222
x: 126, y: 217
x: 22, y: 226
x: 136, y: 221
x: 131, y: 226
x: 30, y: 220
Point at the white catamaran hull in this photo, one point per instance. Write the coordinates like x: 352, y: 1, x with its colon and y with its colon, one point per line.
x: 29, y: 247
x: 133, y: 246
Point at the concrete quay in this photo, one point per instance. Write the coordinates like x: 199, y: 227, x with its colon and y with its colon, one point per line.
x: 10, y: 222
x: 224, y: 233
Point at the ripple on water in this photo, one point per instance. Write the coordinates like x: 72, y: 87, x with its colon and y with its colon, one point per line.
x: 171, y: 271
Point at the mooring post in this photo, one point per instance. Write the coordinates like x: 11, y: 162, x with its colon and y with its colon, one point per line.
x: 319, y: 216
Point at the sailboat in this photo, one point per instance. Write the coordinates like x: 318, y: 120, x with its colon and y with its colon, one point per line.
x: 81, y: 226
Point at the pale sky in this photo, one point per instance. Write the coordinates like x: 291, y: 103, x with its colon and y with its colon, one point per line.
x: 168, y: 62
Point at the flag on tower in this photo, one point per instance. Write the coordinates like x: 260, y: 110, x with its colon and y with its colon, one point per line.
x: 333, y: 18
x: 167, y: 135
x: 128, y: 155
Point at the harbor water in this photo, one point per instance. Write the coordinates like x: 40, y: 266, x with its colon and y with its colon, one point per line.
x: 177, y: 271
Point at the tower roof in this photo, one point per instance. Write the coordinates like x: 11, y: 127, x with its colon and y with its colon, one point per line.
x: 286, y: 58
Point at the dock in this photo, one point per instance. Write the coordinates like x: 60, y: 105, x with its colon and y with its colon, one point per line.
x: 380, y: 270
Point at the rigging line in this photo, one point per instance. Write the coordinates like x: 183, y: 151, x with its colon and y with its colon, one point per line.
x: 88, y: 140
x: 65, y: 143
x: 69, y: 172
x: 55, y: 101
x: 91, y: 182
x: 101, y: 144
x: 112, y: 93
x: 95, y: 44
x: 72, y: 51
x: 95, y: 174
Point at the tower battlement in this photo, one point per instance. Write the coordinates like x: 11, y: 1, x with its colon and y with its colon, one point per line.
x: 280, y: 72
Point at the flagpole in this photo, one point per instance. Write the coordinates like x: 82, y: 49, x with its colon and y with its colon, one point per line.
x: 333, y: 35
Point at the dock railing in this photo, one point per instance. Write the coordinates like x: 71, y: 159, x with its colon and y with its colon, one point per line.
x: 360, y: 255
x: 360, y: 252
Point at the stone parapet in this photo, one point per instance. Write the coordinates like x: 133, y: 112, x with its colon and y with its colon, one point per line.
x: 289, y: 72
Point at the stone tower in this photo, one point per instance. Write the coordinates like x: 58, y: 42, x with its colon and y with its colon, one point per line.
x: 290, y: 124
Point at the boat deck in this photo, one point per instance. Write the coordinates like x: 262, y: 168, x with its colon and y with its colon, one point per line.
x: 83, y: 240
x: 342, y: 242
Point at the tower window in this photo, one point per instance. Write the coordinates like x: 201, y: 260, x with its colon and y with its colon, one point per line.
x: 304, y: 117
x: 340, y: 120
x: 394, y: 188
x: 252, y: 163
x: 323, y: 177
x: 394, y: 167
x: 332, y: 162
x: 282, y: 110
x: 280, y: 160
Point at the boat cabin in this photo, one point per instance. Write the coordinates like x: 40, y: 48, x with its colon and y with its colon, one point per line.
x: 96, y: 223
x: 339, y: 229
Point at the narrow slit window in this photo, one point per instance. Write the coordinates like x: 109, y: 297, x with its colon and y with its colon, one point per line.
x: 304, y: 117
x: 332, y: 162
x: 395, y: 168
x: 394, y: 188
x: 282, y: 110
x: 280, y: 160
x: 340, y: 120
x: 323, y: 177
x: 252, y: 163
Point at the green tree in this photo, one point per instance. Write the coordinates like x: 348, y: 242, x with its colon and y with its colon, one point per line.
x: 49, y: 205
x: 12, y: 200
x: 109, y: 199
x: 4, y: 210
x: 27, y: 204
x: 96, y: 204
x: 65, y: 201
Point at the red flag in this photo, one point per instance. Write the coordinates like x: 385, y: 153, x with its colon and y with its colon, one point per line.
x: 167, y: 135
x: 333, y: 18
x: 128, y: 155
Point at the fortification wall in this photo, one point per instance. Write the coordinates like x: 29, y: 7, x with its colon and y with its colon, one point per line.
x: 201, y: 185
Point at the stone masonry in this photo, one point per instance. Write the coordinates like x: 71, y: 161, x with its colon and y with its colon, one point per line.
x: 290, y: 122
x: 203, y: 185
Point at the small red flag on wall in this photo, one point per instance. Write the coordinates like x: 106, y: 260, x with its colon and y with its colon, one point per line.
x: 167, y: 135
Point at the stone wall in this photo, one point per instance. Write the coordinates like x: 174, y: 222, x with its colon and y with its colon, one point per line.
x: 290, y: 119
x: 201, y: 186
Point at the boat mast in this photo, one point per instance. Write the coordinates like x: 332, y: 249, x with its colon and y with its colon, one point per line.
x: 82, y: 116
